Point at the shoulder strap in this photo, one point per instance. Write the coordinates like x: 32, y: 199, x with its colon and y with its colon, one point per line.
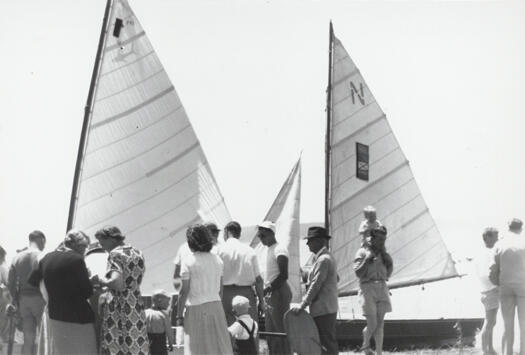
x: 246, y: 327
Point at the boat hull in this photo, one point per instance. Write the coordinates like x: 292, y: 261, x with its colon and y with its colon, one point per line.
x: 413, y: 333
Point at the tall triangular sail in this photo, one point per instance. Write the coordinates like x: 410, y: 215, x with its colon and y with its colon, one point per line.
x: 141, y: 166
x: 285, y: 212
x: 368, y: 167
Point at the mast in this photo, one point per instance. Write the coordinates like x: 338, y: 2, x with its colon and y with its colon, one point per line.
x: 87, y: 116
x: 328, y: 133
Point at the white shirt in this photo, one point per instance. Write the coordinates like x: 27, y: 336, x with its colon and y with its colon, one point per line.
x: 509, y: 257
x: 237, y: 331
x: 272, y: 268
x: 204, y: 270
x: 240, y: 263
x: 184, y: 250
x: 482, y: 261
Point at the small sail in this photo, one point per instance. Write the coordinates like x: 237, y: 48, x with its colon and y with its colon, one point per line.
x: 368, y: 167
x: 284, y: 213
x: 141, y: 167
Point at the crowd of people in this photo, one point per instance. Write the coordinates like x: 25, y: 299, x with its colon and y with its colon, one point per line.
x: 222, y: 292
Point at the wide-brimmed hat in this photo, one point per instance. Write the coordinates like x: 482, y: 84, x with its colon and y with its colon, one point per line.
x: 267, y: 225
x: 381, y: 230
x: 317, y: 232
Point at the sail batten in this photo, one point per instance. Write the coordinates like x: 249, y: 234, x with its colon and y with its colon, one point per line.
x: 143, y: 168
x: 378, y: 174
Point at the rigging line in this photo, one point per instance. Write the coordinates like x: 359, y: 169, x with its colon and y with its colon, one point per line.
x: 128, y: 63
x: 134, y: 157
x: 138, y: 130
x: 346, y: 76
x: 133, y: 109
x: 170, y: 186
x: 173, y: 233
x: 379, y: 201
x: 124, y: 186
x: 132, y: 86
x: 359, y: 130
x: 334, y: 189
x: 394, y: 233
x: 124, y: 42
x: 384, y: 218
x: 373, y: 183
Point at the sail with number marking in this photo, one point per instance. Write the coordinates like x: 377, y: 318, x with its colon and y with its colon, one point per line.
x: 366, y: 166
x: 140, y: 165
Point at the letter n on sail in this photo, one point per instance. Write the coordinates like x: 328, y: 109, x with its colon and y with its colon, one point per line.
x: 357, y: 127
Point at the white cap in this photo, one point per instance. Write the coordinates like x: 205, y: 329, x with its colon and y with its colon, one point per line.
x: 267, y: 225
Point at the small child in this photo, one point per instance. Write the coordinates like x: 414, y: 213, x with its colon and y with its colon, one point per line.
x: 244, y: 329
x: 158, y: 324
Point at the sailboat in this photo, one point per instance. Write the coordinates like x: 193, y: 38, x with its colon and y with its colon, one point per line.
x: 366, y: 166
x: 140, y: 165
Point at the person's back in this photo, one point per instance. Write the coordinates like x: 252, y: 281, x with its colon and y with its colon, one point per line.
x: 67, y: 283
x: 511, y: 253
x: 158, y: 324
x: 23, y: 264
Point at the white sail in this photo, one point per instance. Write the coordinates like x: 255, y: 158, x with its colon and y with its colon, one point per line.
x: 284, y: 212
x: 142, y: 167
x: 379, y: 175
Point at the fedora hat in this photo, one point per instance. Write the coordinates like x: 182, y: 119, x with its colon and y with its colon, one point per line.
x: 316, y: 232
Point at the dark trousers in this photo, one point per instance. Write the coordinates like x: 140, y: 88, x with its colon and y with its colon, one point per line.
x: 230, y: 291
x: 327, y: 334
x: 279, y: 304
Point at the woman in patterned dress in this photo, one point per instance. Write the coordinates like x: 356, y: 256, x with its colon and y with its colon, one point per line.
x: 123, y: 316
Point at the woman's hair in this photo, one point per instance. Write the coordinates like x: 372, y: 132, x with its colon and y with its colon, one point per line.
x: 74, y: 237
x: 199, y: 238
x: 109, y: 232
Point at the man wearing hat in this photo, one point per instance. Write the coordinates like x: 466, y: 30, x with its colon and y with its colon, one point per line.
x: 508, y: 271
x: 321, y: 296
x: 276, y: 289
x: 26, y: 297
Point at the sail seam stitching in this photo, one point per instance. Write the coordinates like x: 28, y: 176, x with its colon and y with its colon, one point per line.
x: 131, y: 86
x: 126, y: 41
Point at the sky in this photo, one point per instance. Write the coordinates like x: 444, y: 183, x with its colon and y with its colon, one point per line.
x: 252, y: 75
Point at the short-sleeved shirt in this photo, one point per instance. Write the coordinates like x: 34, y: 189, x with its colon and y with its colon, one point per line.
x: 157, y: 321
x: 204, y: 270
x: 184, y: 250
x: 509, y: 259
x: 272, y: 268
x: 365, y: 227
x: 483, y: 260
x: 237, y: 331
x: 240, y: 263
x: 374, y: 270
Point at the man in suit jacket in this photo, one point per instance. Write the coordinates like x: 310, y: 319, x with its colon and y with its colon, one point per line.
x: 322, y: 292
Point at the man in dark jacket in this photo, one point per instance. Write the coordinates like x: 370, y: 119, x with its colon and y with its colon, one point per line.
x: 321, y: 296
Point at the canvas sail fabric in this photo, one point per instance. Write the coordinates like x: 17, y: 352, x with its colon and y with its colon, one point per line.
x: 413, y: 240
x: 143, y: 168
x: 285, y: 212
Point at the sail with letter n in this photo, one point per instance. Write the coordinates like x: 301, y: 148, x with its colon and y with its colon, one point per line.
x: 366, y: 166
x: 140, y: 165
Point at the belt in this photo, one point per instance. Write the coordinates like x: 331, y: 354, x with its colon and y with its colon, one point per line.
x: 372, y: 281
x: 233, y: 285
